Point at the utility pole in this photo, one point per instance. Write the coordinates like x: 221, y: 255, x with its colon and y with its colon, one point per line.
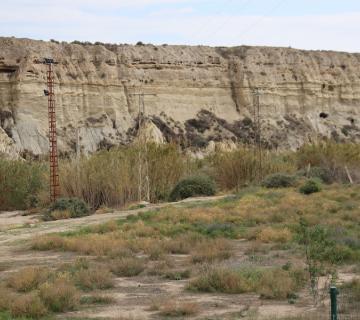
x: 53, y: 153
x: 143, y: 169
x: 78, y: 155
x: 78, y: 147
x: 257, y: 123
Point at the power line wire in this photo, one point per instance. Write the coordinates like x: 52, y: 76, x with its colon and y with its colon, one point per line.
x: 257, y: 22
x: 223, y: 24
x: 204, y: 26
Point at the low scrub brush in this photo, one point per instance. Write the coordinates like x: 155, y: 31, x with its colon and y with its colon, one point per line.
x: 193, y: 186
x: 310, y: 186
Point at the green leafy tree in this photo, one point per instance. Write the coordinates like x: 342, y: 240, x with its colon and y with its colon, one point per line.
x: 320, y: 254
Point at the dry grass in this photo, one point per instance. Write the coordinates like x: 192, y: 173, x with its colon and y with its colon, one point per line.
x: 333, y: 157
x: 90, y: 244
x: 127, y: 267
x: 178, y: 309
x: 103, y: 210
x: 156, y: 253
x: 269, y: 234
x: 256, y: 247
x: 27, y: 279
x: 28, y: 306
x: 211, y: 251
x: 306, y: 316
x: 269, y: 283
x: 241, y: 167
x: 182, y: 244
x: 354, y: 288
x: 109, y: 178
x: 48, y: 242
x: 160, y: 268
x: 279, y: 284
x: 138, y: 230
x: 178, y: 274
x: 97, y: 299
x: 6, y: 297
x: 205, y: 233
x: 95, y: 278
x: 106, y: 227
x: 151, y: 246
x: 60, y: 295
x: 220, y: 280
x: 60, y: 214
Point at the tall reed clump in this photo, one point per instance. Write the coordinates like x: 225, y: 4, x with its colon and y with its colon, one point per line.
x: 237, y: 168
x: 21, y: 183
x: 111, y: 177
x: 338, y: 159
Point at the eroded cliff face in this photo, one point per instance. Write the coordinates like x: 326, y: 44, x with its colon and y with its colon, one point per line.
x: 202, y: 94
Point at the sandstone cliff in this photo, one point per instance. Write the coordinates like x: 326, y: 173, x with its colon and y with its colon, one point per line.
x: 202, y: 94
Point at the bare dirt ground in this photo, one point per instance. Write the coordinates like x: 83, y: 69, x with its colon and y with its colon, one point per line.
x: 135, y: 296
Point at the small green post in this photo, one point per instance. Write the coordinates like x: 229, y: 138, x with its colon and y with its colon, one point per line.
x: 333, y: 298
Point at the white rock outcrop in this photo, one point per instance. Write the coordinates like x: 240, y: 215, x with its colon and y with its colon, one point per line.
x: 202, y: 94
x: 7, y: 146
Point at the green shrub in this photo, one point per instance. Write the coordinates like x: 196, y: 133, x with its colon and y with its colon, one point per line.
x: 76, y: 207
x: 310, y: 186
x: 20, y: 184
x: 193, y: 186
x: 279, y: 180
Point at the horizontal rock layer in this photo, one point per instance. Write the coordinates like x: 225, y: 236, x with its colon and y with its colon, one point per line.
x: 198, y: 94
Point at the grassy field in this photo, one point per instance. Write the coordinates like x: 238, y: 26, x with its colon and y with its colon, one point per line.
x: 243, y: 256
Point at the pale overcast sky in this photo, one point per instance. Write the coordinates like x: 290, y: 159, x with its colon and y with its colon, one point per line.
x: 305, y: 24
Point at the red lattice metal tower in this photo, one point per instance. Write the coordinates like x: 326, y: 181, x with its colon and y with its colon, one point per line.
x: 53, y: 154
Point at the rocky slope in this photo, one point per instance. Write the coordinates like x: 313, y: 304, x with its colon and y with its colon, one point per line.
x: 202, y: 94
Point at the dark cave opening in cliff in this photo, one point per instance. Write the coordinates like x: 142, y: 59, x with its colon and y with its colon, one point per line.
x: 323, y: 115
x: 8, y: 69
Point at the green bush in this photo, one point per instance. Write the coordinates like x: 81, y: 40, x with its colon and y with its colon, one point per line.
x: 310, y: 186
x: 193, y: 186
x: 20, y: 184
x: 76, y: 207
x: 279, y: 180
